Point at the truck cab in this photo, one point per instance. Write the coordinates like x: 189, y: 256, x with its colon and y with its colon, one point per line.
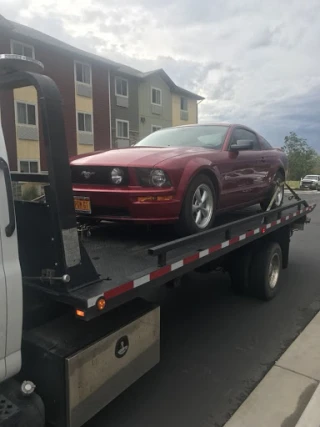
x: 10, y: 276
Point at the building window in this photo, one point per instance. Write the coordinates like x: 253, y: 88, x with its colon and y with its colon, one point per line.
x: 183, y: 104
x: 122, y: 129
x: 121, y: 87
x: 83, y: 73
x: 85, y: 122
x: 154, y: 128
x: 23, y: 49
x: 29, y: 166
x: 26, y: 114
x: 156, y: 96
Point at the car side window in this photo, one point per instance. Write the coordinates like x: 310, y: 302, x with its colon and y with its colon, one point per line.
x: 245, y: 134
x: 265, y: 145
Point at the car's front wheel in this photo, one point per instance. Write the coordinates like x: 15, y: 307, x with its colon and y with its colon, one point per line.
x: 199, y: 206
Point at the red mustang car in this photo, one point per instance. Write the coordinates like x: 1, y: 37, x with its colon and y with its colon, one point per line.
x: 184, y: 175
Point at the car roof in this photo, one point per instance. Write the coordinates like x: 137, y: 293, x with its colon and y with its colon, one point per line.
x: 230, y: 125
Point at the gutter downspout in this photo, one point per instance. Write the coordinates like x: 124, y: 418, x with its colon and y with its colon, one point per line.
x: 110, y: 124
x: 198, y: 103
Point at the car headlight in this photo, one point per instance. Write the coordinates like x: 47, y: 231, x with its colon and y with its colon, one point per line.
x: 153, y: 177
x: 158, y: 178
x: 117, y: 175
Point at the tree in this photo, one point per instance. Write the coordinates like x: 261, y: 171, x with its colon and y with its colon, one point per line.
x: 301, y: 157
x: 316, y: 169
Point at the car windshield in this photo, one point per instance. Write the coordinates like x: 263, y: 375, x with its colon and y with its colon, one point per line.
x: 311, y: 177
x: 189, y: 136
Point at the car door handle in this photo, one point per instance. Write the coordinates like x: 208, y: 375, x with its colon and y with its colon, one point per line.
x: 12, y: 221
x: 263, y: 160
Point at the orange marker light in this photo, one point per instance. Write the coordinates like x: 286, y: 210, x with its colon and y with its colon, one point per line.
x: 154, y: 199
x: 80, y: 313
x: 101, y: 303
x: 164, y: 198
x: 147, y: 199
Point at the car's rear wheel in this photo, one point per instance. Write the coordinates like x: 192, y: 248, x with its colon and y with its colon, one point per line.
x: 199, y: 206
x: 277, y: 180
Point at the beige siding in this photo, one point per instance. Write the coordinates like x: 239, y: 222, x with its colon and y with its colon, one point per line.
x: 176, y: 112
x: 27, y: 149
x: 84, y: 105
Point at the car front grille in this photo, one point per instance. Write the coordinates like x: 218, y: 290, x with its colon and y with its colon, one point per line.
x: 96, y: 175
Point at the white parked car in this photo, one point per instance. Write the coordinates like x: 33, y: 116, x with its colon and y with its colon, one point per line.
x: 310, y: 181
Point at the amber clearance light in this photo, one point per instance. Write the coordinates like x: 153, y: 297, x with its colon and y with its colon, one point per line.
x: 80, y: 313
x: 101, y: 303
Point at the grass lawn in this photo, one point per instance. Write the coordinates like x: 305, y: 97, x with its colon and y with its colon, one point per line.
x: 294, y: 184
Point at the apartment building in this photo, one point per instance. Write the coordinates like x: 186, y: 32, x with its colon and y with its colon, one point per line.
x: 106, y: 105
x: 83, y: 80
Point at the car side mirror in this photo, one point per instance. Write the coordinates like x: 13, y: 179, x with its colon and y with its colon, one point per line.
x: 242, y: 145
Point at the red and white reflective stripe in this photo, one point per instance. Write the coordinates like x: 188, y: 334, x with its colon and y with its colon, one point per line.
x: 191, y: 258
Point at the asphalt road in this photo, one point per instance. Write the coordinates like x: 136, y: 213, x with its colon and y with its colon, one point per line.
x: 216, y: 347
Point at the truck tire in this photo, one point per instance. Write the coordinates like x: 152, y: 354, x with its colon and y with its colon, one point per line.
x: 265, y: 269
x: 239, y: 270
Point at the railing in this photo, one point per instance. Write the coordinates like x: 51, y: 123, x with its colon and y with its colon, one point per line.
x: 264, y: 217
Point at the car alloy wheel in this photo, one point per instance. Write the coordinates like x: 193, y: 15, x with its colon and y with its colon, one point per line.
x: 280, y: 193
x: 199, y: 206
x: 202, y: 206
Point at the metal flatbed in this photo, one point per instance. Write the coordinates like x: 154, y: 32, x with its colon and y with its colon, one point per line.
x: 131, y: 258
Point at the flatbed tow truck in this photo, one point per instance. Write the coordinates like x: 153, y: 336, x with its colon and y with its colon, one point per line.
x: 76, y: 326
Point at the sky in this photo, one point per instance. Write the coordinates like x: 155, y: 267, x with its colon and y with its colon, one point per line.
x: 257, y: 62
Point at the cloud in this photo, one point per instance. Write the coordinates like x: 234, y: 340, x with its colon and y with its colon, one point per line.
x: 255, y: 61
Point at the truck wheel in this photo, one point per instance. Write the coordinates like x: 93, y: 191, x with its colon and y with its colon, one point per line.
x: 265, y: 271
x: 199, y: 205
x: 240, y: 270
x: 278, y: 178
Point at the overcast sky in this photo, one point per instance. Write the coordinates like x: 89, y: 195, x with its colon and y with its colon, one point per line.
x: 255, y: 62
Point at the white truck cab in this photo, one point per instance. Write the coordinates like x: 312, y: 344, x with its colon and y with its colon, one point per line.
x: 10, y: 277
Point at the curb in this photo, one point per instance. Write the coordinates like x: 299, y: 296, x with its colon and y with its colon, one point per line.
x: 289, y: 394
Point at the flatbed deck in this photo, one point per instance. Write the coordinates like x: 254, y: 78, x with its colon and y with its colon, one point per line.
x: 120, y: 251
x: 125, y: 255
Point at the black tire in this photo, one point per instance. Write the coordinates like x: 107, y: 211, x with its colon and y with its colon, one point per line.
x: 261, y: 284
x: 276, y: 180
x: 239, y: 270
x: 318, y: 188
x: 187, y: 224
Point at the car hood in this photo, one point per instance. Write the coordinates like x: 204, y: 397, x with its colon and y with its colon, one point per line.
x: 134, y: 157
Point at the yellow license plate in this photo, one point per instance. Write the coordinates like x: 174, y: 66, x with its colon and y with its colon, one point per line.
x: 82, y: 204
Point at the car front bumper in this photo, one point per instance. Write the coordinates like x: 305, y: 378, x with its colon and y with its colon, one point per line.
x: 308, y: 185
x: 128, y: 204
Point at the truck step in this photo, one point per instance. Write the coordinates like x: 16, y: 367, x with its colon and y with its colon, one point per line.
x: 8, y: 411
